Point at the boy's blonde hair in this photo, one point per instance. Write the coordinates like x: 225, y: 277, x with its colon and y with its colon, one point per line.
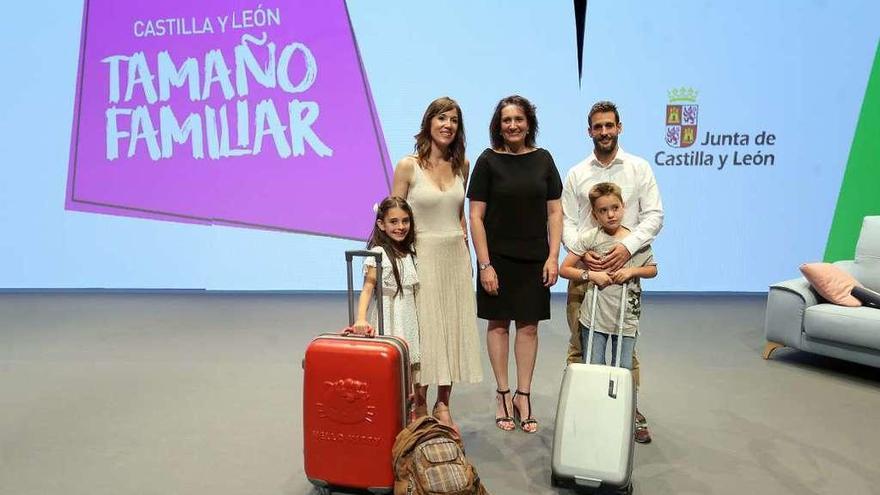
x: 604, y: 189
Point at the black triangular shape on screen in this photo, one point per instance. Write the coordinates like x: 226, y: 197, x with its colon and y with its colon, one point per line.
x: 580, y: 19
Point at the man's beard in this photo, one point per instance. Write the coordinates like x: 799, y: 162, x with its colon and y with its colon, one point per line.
x: 612, y: 144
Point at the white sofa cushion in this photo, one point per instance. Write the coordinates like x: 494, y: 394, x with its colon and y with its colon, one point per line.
x: 854, y: 326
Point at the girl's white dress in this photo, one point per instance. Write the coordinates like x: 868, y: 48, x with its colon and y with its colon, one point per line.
x: 399, y: 309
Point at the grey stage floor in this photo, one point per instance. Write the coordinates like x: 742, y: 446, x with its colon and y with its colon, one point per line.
x: 201, y: 394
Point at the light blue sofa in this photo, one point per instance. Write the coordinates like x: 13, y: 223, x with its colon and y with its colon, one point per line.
x: 798, y: 317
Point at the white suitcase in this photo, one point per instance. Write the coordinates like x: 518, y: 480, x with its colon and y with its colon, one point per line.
x: 594, y: 438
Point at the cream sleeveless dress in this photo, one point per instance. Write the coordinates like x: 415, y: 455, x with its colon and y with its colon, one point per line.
x: 445, y: 303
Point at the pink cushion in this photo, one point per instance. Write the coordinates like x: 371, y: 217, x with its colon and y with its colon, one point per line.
x: 832, y: 283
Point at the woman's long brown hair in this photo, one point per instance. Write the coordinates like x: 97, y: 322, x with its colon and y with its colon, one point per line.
x: 455, y: 151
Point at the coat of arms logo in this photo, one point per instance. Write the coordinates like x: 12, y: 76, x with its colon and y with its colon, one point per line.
x: 681, y: 117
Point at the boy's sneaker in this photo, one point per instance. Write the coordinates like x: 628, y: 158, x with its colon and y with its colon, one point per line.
x: 642, y: 434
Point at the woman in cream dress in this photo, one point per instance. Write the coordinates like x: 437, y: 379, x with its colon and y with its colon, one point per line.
x: 432, y: 181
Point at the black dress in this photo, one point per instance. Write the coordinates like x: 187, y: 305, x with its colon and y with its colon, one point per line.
x: 516, y: 189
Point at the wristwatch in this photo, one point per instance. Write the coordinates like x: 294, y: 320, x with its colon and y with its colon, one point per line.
x: 585, y: 275
x: 483, y: 266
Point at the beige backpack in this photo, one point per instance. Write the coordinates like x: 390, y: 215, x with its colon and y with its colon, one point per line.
x: 428, y: 460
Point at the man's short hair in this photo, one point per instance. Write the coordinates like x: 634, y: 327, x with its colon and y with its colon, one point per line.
x: 603, y: 106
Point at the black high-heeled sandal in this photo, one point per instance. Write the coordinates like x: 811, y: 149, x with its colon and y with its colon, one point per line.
x: 507, y: 418
x: 518, y: 417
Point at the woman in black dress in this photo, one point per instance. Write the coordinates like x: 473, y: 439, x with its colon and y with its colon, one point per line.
x: 516, y: 226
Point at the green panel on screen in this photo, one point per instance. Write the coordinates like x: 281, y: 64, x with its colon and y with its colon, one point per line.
x: 860, y: 191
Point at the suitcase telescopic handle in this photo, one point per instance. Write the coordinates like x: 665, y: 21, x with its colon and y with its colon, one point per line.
x: 594, y: 303
x: 377, y: 291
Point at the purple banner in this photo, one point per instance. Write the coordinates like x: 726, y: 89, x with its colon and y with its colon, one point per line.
x: 252, y: 114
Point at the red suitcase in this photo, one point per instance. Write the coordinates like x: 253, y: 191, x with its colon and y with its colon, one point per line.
x: 355, y: 401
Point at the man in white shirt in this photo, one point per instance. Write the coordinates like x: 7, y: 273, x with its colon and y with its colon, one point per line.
x: 643, y: 215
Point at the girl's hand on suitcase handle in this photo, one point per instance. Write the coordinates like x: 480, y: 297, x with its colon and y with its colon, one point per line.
x: 361, y: 327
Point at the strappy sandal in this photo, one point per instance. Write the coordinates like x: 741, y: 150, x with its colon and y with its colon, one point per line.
x: 507, y: 418
x: 523, y: 422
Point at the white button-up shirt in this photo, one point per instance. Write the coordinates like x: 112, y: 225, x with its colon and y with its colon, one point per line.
x: 643, y: 210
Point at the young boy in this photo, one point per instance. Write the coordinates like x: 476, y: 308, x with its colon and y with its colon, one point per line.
x: 606, y: 200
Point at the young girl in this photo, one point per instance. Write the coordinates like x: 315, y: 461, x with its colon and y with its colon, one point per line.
x: 606, y: 201
x: 393, y: 236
